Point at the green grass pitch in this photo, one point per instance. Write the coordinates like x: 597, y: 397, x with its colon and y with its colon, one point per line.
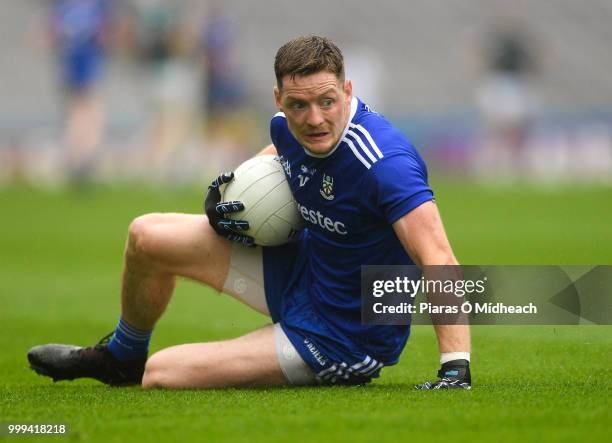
x: 60, y: 262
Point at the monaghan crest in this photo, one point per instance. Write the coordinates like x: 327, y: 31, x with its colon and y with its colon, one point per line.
x: 327, y: 187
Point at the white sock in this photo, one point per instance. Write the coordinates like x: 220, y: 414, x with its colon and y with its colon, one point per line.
x: 450, y: 356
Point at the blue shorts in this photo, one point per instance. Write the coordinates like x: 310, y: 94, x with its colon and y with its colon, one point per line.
x: 332, y: 358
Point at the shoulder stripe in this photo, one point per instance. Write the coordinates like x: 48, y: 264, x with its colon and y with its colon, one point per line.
x: 364, y: 148
x: 356, y: 152
x: 365, y: 132
x: 279, y: 114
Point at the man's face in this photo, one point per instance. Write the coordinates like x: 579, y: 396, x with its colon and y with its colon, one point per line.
x: 317, y: 108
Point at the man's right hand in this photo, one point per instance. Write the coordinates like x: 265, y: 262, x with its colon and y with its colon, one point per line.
x: 215, y: 209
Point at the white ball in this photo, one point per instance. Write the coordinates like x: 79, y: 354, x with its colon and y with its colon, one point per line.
x: 269, y: 206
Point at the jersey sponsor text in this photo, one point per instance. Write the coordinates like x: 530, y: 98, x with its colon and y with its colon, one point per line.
x: 316, y: 218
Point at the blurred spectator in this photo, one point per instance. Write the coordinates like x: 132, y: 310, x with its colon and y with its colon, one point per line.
x: 166, y: 43
x: 79, y: 32
x: 229, y: 124
x: 505, y: 97
x: 224, y: 84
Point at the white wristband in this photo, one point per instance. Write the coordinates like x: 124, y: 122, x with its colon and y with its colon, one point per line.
x: 450, y: 356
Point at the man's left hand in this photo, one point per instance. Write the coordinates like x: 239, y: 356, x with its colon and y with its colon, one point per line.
x: 454, y: 374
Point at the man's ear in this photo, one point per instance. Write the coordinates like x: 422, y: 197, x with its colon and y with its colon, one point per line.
x: 277, y: 98
x: 348, y: 89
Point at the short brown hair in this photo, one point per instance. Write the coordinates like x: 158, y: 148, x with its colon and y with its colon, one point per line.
x: 308, y: 55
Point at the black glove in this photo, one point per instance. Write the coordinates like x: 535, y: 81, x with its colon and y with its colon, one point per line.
x: 454, y: 374
x: 216, y: 210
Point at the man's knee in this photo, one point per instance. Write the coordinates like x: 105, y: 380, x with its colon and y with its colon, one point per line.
x: 172, y: 369
x: 156, y: 373
x: 142, y: 239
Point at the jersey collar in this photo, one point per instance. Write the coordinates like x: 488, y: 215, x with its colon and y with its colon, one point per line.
x: 354, y: 103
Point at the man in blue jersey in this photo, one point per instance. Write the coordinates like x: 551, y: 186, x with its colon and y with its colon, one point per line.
x: 79, y: 31
x: 362, y: 190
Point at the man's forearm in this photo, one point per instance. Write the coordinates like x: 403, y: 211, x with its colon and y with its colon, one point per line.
x: 453, y: 338
x: 422, y: 234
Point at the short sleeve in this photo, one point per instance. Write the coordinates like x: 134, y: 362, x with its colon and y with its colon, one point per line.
x: 277, y: 126
x: 396, y: 185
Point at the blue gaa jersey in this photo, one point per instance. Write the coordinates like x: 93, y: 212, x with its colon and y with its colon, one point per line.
x: 349, y: 198
x: 80, y: 27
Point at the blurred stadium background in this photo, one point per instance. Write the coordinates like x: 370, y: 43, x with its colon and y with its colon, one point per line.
x: 496, y: 91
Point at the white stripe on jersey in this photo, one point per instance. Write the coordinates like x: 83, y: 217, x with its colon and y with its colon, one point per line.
x: 364, y: 148
x: 365, y: 132
x: 356, y: 152
x: 279, y: 114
